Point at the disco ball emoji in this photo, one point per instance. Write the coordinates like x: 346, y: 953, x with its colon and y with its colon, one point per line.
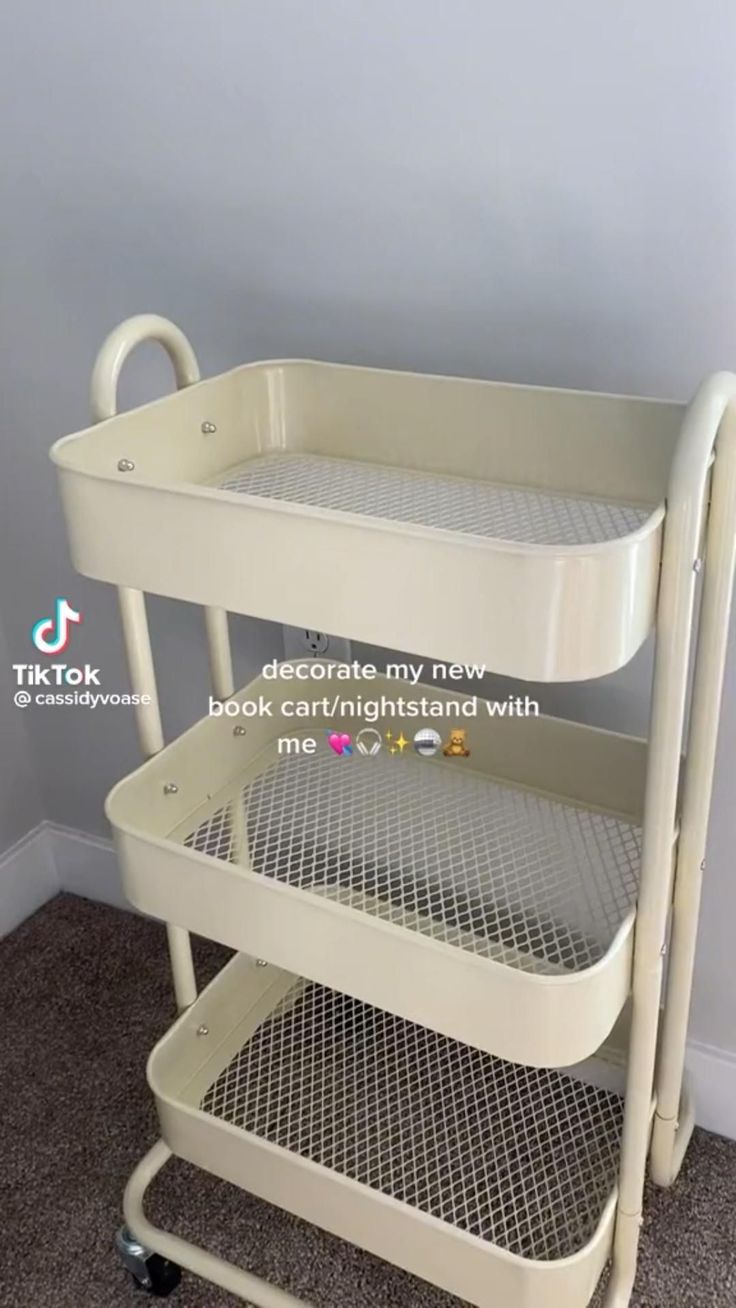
x: 427, y: 741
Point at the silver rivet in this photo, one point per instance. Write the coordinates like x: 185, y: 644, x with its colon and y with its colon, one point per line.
x: 125, y: 465
x: 261, y: 962
x: 171, y: 788
x: 697, y: 566
x: 702, y: 866
x: 207, y: 428
x: 239, y: 730
x: 663, y: 951
x: 203, y: 1030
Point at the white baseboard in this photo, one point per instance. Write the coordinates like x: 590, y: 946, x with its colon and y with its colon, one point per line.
x: 28, y: 877
x: 86, y: 865
x: 53, y: 858
x: 713, y: 1076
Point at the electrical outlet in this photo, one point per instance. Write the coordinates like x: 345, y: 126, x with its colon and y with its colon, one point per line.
x: 315, y: 641
x: 301, y: 642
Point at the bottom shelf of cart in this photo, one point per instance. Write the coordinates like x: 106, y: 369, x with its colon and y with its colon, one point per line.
x: 494, y: 1181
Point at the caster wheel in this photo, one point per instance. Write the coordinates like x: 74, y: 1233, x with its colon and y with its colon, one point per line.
x: 161, y: 1276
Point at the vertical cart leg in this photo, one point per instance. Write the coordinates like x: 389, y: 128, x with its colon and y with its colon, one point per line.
x: 140, y: 666
x: 103, y: 402
x: 182, y: 966
x: 153, y: 1270
x: 674, y: 1119
x: 150, y: 732
x: 221, y: 663
x: 686, y: 502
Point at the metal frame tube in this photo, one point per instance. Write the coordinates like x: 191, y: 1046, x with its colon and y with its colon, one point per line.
x: 141, y: 670
x: 683, y: 522
x: 217, y: 1270
x: 103, y: 401
x: 150, y: 734
x: 183, y: 976
x: 221, y: 661
x: 103, y: 395
x: 720, y: 561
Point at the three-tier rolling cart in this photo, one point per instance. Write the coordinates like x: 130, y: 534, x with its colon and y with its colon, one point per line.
x: 444, y: 1035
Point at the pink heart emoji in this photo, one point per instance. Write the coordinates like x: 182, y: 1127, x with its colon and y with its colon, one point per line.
x: 340, y: 742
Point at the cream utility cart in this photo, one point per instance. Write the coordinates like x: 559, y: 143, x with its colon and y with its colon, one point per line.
x: 444, y: 1035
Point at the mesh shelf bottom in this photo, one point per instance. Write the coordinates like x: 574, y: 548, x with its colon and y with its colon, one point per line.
x: 520, y: 1157
x: 459, y: 504
x: 483, y: 866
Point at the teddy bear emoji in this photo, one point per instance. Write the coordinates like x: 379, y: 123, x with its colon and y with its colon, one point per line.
x: 456, y: 746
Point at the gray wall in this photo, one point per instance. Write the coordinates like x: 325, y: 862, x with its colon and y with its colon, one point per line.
x: 20, y: 800
x: 541, y: 193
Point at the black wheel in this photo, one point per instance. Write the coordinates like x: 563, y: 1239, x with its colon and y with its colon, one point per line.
x: 162, y: 1276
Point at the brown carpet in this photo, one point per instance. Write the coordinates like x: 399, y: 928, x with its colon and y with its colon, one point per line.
x: 84, y: 993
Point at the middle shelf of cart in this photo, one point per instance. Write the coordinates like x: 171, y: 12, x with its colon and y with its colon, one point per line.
x: 489, y: 897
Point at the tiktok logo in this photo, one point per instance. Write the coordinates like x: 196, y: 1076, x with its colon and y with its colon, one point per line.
x: 52, y: 635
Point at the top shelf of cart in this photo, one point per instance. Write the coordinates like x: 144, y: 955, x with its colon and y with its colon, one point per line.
x: 518, y: 527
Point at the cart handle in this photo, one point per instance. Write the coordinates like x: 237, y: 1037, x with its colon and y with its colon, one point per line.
x: 117, y: 347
